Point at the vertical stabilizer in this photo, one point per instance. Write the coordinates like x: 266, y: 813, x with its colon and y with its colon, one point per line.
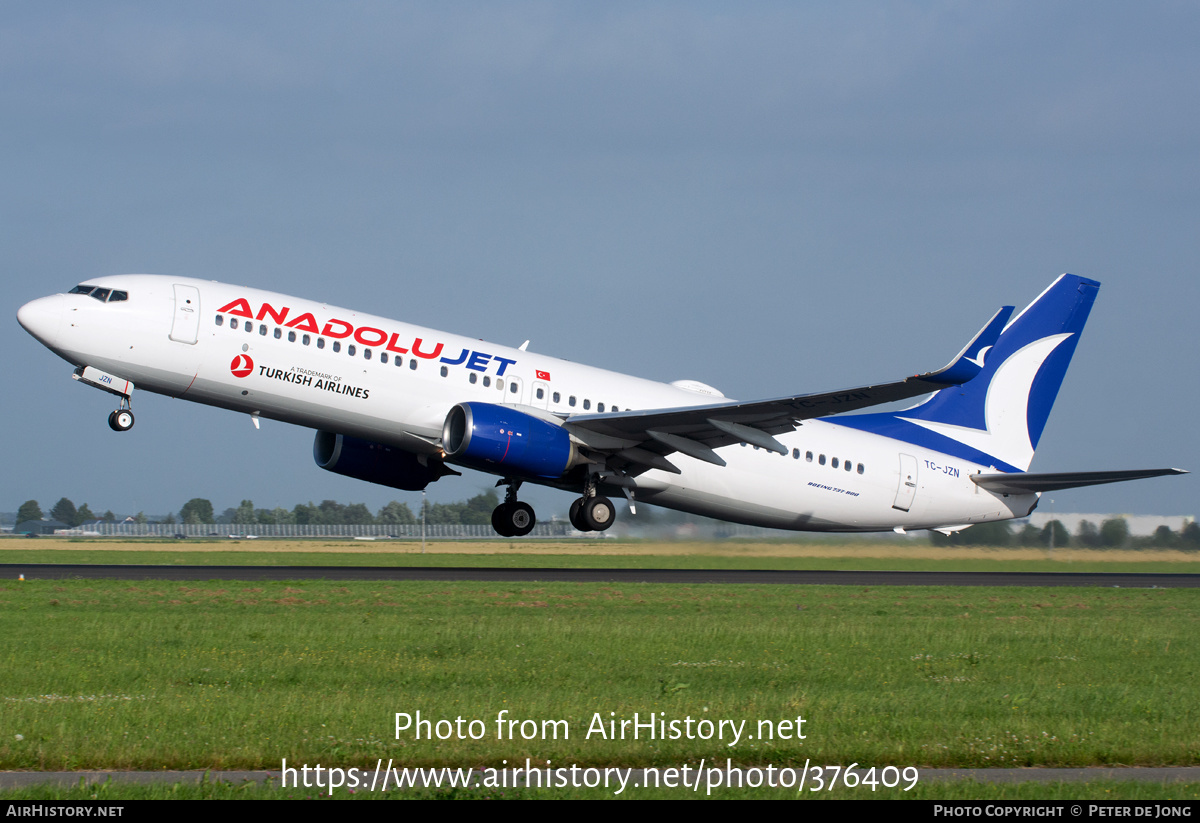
x: 998, y: 417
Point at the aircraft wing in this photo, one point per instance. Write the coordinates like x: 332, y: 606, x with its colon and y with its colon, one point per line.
x: 1026, y: 483
x: 641, y: 439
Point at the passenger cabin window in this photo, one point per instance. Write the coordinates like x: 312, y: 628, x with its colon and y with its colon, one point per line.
x: 861, y: 468
x: 263, y: 330
x: 220, y: 320
x: 291, y: 337
x: 350, y: 350
x: 808, y: 456
x: 849, y: 465
x: 473, y: 377
x: 541, y: 393
x: 821, y: 460
x: 487, y: 381
x: 557, y: 397
x: 512, y: 388
x: 834, y: 462
x: 587, y: 404
x: 383, y: 357
x: 305, y: 339
x: 337, y: 346
x: 320, y: 342
x: 445, y: 371
x: 366, y: 354
x: 571, y: 400
x: 600, y: 408
x: 233, y: 322
x: 249, y: 328
x: 412, y: 364
x: 278, y: 333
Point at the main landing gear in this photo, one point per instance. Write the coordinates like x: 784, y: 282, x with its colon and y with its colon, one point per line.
x: 512, y: 518
x: 593, y: 512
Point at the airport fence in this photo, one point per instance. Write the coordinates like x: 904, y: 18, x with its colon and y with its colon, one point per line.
x: 551, y: 529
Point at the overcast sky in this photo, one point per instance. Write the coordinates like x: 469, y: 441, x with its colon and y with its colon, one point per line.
x: 770, y: 198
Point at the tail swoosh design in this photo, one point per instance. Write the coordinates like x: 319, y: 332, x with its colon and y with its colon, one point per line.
x: 997, y: 418
x: 1006, y: 410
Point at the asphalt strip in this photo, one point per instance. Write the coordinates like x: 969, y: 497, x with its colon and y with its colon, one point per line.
x: 56, y: 571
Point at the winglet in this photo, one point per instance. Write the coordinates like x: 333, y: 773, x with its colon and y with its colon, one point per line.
x: 969, y: 361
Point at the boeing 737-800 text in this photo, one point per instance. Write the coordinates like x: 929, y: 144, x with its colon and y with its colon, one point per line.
x: 400, y: 405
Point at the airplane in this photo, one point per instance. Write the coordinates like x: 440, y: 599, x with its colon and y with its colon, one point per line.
x: 402, y: 406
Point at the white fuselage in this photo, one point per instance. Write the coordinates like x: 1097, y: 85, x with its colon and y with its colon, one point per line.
x: 274, y: 356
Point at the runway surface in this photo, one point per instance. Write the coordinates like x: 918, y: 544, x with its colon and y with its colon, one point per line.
x: 53, y: 571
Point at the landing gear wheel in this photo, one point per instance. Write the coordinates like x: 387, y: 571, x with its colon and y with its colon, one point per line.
x: 514, y: 519
x: 121, y: 420
x: 521, y: 519
x: 575, y: 515
x: 501, y: 521
x: 598, y: 513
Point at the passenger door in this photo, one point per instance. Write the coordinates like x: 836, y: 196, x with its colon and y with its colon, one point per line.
x: 907, y: 490
x: 186, y: 324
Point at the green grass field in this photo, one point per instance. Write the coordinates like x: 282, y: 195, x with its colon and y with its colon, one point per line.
x: 158, y: 675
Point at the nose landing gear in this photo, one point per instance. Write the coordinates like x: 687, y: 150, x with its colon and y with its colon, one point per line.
x: 120, y: 420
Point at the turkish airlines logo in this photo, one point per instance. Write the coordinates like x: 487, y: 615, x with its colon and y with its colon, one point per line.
x: 241, y: 366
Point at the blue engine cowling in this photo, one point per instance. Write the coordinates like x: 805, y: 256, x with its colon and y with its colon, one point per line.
x: 500, y: 439
x: 376, y: 463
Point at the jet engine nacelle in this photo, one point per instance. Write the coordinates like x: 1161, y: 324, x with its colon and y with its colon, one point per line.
x: 501, y: 439
x: 376, y: 463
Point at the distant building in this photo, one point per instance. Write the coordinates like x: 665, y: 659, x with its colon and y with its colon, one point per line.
x: 39, y: 527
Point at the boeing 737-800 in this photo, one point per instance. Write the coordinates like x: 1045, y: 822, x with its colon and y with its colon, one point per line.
x: 400, y: 405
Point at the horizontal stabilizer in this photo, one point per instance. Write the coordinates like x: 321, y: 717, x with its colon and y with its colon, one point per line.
x: 1025, y: 483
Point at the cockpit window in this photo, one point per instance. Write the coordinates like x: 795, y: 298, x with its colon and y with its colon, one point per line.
x: 101, y: 294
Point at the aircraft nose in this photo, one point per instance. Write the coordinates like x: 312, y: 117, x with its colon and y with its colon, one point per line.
x: 42, y: 318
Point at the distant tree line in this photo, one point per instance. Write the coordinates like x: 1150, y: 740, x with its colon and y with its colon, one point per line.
x: 476, y: 511
x: 1111, y: 534
x: 64, y: 511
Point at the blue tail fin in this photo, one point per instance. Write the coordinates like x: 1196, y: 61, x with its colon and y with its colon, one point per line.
x: 998, y: 417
